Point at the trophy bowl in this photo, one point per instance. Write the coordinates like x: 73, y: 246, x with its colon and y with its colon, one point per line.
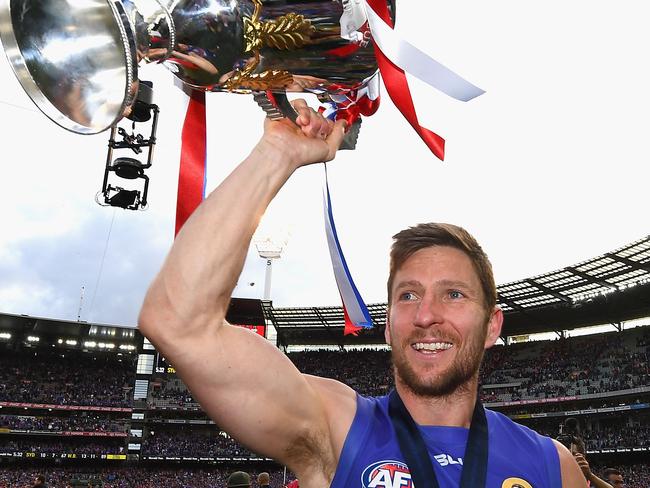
x: 78, y: 59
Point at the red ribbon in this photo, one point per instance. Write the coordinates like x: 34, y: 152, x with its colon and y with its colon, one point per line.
x: 191, y: 175
x: 350, y: 328
x: 398, y: 88
x: 354, y: 107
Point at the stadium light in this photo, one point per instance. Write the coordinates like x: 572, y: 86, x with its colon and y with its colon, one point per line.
x: 71, y: 342
x: 90, y: 344
x: 33, y: 338
x: 5, y: 335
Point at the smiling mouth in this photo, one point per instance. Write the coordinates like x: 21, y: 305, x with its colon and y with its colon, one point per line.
x: 432, y: 347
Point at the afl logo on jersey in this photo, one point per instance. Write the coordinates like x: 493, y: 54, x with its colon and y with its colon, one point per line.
x: 386, y: 474
x: 516, y: 483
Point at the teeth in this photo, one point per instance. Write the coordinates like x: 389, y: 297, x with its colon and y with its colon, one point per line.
x: 434, y: 346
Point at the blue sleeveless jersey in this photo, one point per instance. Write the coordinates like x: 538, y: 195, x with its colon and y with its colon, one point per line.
x: 517, y: 456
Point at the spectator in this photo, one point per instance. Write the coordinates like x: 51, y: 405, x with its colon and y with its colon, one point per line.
x: 614, y: 477
x: 39, y: 482
x: 239, y: 479
x: 263, y: 480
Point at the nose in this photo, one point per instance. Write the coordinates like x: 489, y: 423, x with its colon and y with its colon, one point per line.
x: 429, y: 312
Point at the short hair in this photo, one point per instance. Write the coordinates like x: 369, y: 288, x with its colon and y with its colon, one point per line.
x: 263, y: 478
x: 41, y: 478
x: 614, y: 471
x: 239, y: 479
x: 409, y: 241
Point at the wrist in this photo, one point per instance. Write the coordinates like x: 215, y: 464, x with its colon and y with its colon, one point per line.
x: 275, y: 155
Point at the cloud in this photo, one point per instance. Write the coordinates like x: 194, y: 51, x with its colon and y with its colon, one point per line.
x: 45, y: 274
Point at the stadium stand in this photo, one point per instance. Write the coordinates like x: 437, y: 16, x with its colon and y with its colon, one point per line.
x: 93, y: 403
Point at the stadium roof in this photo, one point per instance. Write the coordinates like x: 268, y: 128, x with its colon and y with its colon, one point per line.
x: 610, y: 288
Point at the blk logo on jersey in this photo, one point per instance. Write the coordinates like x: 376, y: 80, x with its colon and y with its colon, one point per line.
x: 447, y: 460
x: 386, y: 474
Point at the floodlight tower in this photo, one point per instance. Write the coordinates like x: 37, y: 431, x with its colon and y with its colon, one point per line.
x: 270, y: 250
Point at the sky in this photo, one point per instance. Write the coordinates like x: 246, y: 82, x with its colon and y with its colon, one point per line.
x: 548, y: 168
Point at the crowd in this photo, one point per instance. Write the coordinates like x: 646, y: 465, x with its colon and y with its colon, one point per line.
x: 538, y: 370
x: 192, y: 443
x: 141, y: 477
x: 618, y: 437
x: 565, y: 367
x: 72, y: 422
x: 67, y: 445
x: 66, y: 379
x: 532, y: 370
x: 635, y: 476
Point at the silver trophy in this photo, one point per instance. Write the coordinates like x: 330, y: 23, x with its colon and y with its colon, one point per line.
x: 78, y: 59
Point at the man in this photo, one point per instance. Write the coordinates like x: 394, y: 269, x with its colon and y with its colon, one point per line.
x: 592, y: 480
x: 39, y: 482
x: 239, y: 479
x: 441, y: 317
x: 614, y: 477
x: 263, y: 480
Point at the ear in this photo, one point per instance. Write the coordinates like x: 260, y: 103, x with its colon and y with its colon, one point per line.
x: 494, y: 327
x: 387, y: 328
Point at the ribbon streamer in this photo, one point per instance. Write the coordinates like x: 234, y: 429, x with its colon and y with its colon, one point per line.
x: 355, y: 311
x: 191, y: 175
x: 414, y: 61
x: 396, y: 56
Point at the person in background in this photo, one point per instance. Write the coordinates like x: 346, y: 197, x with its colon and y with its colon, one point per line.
x: 239, y: 479
x: 39, y: 482
x: 263, y: 480
x: 614, y: 477
x: 592, y: 480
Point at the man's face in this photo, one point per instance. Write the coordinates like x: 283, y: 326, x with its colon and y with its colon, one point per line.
x: 437, y: 325
x: 616, y: 480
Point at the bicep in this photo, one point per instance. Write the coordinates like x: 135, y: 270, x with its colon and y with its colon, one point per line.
x: 252, y: 391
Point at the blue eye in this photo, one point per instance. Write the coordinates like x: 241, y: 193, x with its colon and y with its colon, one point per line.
x: 455, y: 294
x: 407, y: 296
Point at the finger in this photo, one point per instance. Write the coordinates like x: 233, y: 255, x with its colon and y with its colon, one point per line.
x: 335, y: 138
x: 303, y: 111
x: 317, y: 126
x: 299, y: 103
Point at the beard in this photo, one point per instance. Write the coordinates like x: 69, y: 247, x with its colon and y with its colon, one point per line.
x: 454, y: 378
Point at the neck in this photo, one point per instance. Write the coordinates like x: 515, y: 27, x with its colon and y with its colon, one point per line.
x: 453, y: 410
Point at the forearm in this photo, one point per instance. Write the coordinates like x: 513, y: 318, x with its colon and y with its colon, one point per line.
x: 596, y: 482
x: 194, y: 285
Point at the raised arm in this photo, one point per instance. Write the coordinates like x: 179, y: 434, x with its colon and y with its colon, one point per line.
x: 244, y: 383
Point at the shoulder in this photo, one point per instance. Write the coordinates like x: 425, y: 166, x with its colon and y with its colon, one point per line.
x: 523, y: 439
x: 572, y: 476
x: 333, y: 393
x: 508, y: 433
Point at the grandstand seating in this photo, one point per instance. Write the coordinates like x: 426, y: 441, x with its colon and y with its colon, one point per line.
x: 77, y: 406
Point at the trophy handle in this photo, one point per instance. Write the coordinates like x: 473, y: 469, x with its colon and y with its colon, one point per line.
x: 277, y: 106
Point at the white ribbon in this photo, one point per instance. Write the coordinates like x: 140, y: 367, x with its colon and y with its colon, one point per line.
x: 417, y: 63
x: 354, y: 16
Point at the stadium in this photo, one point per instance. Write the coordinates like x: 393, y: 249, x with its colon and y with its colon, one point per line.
x: 95, y: 405
x: 546, y: 170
